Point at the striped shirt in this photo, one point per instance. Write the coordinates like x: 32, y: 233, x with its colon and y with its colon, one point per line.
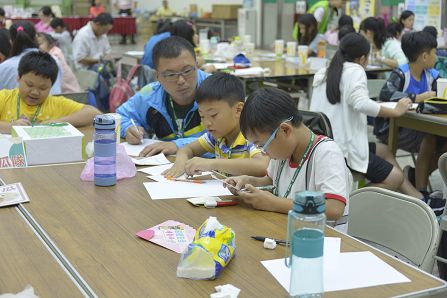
x: 240, y: 148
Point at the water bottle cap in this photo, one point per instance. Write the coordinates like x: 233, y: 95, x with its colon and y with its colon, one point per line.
x: 104, y: 122
x: 309, y: 202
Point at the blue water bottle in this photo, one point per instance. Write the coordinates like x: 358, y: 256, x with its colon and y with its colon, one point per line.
x: 305, y: 236
x: 105, y: 150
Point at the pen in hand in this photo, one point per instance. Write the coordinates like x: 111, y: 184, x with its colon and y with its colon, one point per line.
x: 138, y: 131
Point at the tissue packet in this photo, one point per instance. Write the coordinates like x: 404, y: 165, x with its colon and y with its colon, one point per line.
x: 210, y: 252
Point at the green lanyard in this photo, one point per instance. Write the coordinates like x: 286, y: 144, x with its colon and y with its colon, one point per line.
x: 180, y: 125
x: 33, y: 120
x: 297, y: 171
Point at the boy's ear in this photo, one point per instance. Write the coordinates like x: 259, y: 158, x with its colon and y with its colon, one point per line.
x: 286, y: 128
x: 238, y: 108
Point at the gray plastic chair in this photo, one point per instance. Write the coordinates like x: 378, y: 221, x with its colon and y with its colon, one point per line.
x: 374, y: 87
x: 404, y: 225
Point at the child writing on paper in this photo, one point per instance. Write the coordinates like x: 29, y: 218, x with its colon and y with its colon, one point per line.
x: 347, y: 104
x: 300, y: 160
x: 31, y: 104
x: 221, y: 99
x: 416, y: 80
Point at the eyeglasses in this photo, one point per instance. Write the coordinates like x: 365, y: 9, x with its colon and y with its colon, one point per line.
x: 174, y: 76
x: 264, y: 147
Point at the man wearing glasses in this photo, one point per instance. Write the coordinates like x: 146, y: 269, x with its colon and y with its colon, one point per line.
x: 166, y: 108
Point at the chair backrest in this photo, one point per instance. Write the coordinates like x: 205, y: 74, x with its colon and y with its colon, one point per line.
x: 87, y: 78
x: 318, y: 122
x: 374, y: 87
x: 401, y: 223
x: 442, y: 166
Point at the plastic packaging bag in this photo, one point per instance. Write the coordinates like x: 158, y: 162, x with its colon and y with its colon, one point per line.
x: 210, y: 252
x: 125, y: 168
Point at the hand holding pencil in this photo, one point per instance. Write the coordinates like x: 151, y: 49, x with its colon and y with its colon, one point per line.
x: 134, y: 134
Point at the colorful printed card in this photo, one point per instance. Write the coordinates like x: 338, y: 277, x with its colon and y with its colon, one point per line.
x: 12, y: 194
x: 12, y: 152
x: 171, y: 234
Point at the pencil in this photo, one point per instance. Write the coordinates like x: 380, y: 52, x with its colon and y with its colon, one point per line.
x: 133, y: 123
x: 186, y: 180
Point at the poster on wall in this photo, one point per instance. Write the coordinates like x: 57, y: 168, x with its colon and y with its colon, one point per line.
x: 427, y: 13
x: 360, y: 9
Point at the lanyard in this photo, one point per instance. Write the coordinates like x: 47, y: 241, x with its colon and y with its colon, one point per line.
x: 180, y: 125
x: 297, y: 170
x: 33, y: 120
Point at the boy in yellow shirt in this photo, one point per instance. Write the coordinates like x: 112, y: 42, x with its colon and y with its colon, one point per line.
x: 221, y: 99
x: 31, y: 104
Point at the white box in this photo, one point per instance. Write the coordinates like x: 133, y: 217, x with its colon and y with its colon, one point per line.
x: 47, y: 144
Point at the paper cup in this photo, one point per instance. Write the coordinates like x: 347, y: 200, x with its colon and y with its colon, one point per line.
x: 117, y: 118
x: 279, y: 47
x: 291, y: 48
x: 250, y: 48
x: 302, y: 54
x: 204, y: 46
x: 441, y: 85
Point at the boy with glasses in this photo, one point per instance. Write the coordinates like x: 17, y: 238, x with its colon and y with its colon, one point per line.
x: 300, y: 160
x: 221, y: 99
x: 166, y: 108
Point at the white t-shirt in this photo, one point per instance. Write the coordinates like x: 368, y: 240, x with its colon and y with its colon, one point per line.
x: 327, y: 173
x: 124, y: 4
x: 318, y: 14
x: 86, y: 44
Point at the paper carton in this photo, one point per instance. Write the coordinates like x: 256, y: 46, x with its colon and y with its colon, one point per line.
x: 442, y: 88
x: 47, y: 144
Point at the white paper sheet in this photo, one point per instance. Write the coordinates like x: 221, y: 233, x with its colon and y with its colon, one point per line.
x: 392, y: 105
x: 178, y: 190
x: 343, y: 272
x: 135, y: 53
x: 220, y: 66
x: 249, y: 71
x: 134, y: 150
x: 155, y: 170
x: 161, y: 178
x: 156, y: 160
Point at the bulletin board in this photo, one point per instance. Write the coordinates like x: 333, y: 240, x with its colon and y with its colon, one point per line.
x: 360, y: 10
x: 428, y: 13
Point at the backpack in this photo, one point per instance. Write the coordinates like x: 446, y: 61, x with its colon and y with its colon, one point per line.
x: 121, y: 91
x: 318, y: 122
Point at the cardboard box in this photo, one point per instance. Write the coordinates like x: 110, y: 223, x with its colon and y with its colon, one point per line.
x: 47, y: 144
x: 225, y: 11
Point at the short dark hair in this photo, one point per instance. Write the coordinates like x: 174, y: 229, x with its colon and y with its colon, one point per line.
x: 57, y: 22
x: 377, y: 26
x: 415, y: 44
x: 345, y: 30
x: 431, y: 30
x: 345, y: 20
x: 40, y: 64
x: 393, y: 30
x: 184, y: 29
x: 46, y: 11
x: 2, y: 12
x: 221, y: 86
x: 170, y: 48
x: 103, y: 19
x: 266, y: 108
x: 5, y: 44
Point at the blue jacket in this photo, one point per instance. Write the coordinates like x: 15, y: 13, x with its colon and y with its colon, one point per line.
x: 149, y: 106
x: 149, y: 46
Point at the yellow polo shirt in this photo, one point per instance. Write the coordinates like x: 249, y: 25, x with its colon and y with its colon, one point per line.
x: 53, y: 107
x: 241, y: 148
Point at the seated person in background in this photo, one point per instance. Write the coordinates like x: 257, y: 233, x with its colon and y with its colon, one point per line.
x: 375, y: 32
x: 63, y: 38
x: 332, y: 35
x: 45, y: 15
x: 300, y: 160
x: 308, y: 33
x: 167, y: 107
x: 391, y: 53
x: 406, y: 19
x: 31, y: 104
x: 416, y: 80
x: 345, y: 30
x: 346, y: 102
x: 96, y: 8
x: 47, y: 44
x: 2, y: 18
x: 164, y: 10
x: 23, y: 38
x: 179, y: 28
x: 221, y: 99
x: 5, y: 44
x: 90, y: 44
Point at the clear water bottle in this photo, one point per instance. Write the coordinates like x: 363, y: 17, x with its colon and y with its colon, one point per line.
x: 305, y: 236
x: 105, y: 150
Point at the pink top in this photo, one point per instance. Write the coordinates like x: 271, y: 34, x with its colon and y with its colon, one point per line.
x: 69, y: 82
x: 42, y: 27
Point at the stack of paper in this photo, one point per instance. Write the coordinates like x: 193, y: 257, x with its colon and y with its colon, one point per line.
x: 134, y: 150
x: 155, y: 160
x: 182, y: 190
